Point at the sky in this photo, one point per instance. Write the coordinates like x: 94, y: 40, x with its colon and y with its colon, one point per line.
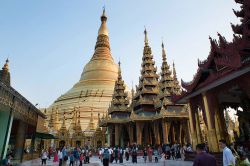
x: 49, y: 42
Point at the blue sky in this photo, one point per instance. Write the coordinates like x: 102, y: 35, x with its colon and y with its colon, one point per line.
x: 49, y: 42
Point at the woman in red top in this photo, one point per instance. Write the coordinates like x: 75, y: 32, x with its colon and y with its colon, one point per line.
x: 150, y: 153
x: 81, y: 158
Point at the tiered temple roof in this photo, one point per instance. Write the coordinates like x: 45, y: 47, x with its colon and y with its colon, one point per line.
x: 176, y: 87
x: 166, y: 83
x: 120, y: 102
x: 148, y: 88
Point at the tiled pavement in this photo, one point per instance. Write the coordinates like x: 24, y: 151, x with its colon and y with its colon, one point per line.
x: 94, y: 161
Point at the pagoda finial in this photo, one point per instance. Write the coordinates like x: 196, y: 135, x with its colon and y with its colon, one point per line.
x: 103, y: 30
x: 132, y: 91
x: 6, y: 65
x: 146, y: 37
x: 163, y: 52
x: 174, y: 71
x: 103, y: 17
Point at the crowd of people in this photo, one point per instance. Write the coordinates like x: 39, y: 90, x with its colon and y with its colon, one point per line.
x: 150, y: 153
x: 75, y: 156
x: 233, y: 155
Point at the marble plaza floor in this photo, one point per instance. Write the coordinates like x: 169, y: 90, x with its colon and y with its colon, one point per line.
x: 94, y: 161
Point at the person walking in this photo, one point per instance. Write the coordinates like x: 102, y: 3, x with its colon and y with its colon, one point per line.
x: 150, y: 154
x: 156, y: 155
x: 121, y: 155
x: 116, y: 154
x: 71, y: 159
x: 60, y: 157
x: 228, y: 158
x: 106, y: 156
x: 44, y: 157
x: 55, y: 156
x: 134, y: 154
x: 203, y: 158
x: 127, y: 154
x: 81, y: 158
x: 145, y: 155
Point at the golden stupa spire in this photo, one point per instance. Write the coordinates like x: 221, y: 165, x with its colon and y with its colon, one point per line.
x: 146, y: 37
x: 6, y: 65
x: 102, y: 47
x: 103, y: 30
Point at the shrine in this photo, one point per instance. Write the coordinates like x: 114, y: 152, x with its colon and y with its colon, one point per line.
x: 222, y: 81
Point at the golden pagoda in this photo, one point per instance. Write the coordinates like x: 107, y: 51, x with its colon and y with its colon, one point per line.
x: 92, y: 94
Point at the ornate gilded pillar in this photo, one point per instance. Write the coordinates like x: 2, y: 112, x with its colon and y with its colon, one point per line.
x: 218, y: 126
x: 173, y: 133
x: 188, y: 132
x: 156, y: 133
x: 139, y: 133
x: 198, y: 127
x: 117, y: 134
x: 111, y: 140
x: 20, y: 140
x: 191, y: 124
x: 180, y: 134
x: 131, y: 134
x: 145, y: 134
x: 165, y: 128
x: 212, y: 139
x: 222, y: 124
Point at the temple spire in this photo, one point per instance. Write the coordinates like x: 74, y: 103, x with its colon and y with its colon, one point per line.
x: 57, y: 120
x: 147, y: 90
x: 103, y: 30
x: 5, y: 74
x: 119, y: 71
x: 102, y: 47
x: 6, y: 65
x: 176, y: 88
x: 166, y: 83
x: 146, y: 37
x: 52, y: 120
x: 174, y: 71
x: 164, y: 56
x: 119, y: 101
x: 63, y: 127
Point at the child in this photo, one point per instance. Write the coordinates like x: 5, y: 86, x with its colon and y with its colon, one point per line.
x: 71, y: 159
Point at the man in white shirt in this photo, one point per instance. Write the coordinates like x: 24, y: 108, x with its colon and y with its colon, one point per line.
x: 60, y: 156
x: 228, y: 158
